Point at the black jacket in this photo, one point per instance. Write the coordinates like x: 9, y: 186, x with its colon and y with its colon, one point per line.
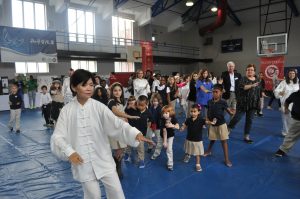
x: 227, y: 84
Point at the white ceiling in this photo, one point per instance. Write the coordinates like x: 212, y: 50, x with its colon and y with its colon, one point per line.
x: 140, y: 10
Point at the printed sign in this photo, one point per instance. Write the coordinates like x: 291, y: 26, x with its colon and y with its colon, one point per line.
x: 20, y: 45
x: 271, y: 66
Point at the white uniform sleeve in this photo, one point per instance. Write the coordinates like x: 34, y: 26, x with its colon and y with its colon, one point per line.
x: 59, y: 141
x: 118, y: 129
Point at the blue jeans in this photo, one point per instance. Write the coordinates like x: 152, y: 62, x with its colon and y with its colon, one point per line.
x: 238, y: 116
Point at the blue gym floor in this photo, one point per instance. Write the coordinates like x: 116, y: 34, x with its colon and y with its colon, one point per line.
x: 29, y: 170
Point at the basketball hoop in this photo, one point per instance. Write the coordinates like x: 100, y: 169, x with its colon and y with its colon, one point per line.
x: 269, y: 52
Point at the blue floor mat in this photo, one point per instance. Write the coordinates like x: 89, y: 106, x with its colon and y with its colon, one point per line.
x: 29, y: 170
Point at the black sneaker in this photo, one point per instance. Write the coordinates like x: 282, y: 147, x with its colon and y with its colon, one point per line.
x: 17, y: 131
x: 280, y: 153
x: 248, y: 141
x: 149, y: 150
x: 11, y: 129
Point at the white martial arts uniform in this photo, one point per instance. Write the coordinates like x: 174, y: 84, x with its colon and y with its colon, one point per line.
x: 85, y: 129
x: 287, y: 90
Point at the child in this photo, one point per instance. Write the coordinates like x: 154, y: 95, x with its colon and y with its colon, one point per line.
x: 173, y: 94
x: 15, y: 103
x: 184, y: 93
x: 145, y: 118
x: 262, y: 94
x: 215, y: 117
x: 100, y: 94
x: 193, y: 144
x: 162, y: 89
x: 155, y: 110
x: 116, y: 105
x: 81, y: 136
x: 45, y: 104
x: 294, y: 132
x: 57, y: 99
x: 131, y: 106
x: 168, y: 124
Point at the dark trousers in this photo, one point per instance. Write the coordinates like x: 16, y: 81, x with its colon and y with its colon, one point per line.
x: 46, y: 112
x: 238, y: 116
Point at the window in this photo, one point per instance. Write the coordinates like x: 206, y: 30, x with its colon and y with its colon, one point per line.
x: 124, y: 67
x: 81, y: 26
x: 84, y: 64
x: 122, y: 31
x: 31, y: 67
x: 27, y: 14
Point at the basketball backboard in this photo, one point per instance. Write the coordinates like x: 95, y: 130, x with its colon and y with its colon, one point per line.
x: 134, y: 54
x: 271, y: 45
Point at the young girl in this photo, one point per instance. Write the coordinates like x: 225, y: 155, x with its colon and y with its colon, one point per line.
x: 81, y: 136
x: 173, y: 94
x: 116, y: 105
x: 57, y: 99
x: 168, y: 124
x: 162, y: 89
x: 192, y: 94
x: 215, y: 117
x: 204, y: 91
x: 100, y: 95
x: 184, y: 92
x: 155, y: 110
x: 193, y: 144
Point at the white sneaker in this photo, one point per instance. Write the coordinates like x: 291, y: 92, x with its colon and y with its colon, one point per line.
x: 284, y: 133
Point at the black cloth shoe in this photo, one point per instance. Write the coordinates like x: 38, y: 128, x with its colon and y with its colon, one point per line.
x: 280, y: 153
x: 248, y: 141
x: 17, y: 131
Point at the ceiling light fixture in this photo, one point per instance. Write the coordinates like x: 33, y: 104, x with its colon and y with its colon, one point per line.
x: 189, y: 3
x: 214, y: 9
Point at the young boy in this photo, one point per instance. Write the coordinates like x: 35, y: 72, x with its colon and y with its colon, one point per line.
x: 130, y: 109
x: 141, y: 124
x: 45, y: 104
x: 294, y: 132
x: 215, y: 117
x: 15, y: 102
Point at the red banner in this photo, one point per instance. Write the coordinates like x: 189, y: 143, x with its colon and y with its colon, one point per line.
x: 119, y: 77
x: 268, y: 65
x: 147, y: 56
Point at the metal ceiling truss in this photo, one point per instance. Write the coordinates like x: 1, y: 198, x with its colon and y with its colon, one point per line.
x: 194, y: 13
x: 293, y: 7
x: 283, y: 16
x: 119, y: 3
x: 162, y: 5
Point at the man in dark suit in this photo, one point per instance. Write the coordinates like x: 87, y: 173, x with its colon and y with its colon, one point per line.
x: 230, y: 82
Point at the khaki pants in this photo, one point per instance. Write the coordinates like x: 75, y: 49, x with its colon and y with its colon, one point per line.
x: 112, y: 186
x: 169, y: 150
x: 231, y: 102
x: 286, y: 121
x: 15, y: 115
x: 149, y: 136
x: 141, y: 151
x: 292, y: 137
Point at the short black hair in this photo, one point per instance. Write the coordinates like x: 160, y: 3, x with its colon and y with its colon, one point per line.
x: 80, y: 76
x: 44, y: 86
x: 196, y: 106
x: 218, y: 87
x: 143, y: 98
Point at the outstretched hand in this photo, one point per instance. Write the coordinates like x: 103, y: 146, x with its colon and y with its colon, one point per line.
x: 141, y: 138
x: 75, y: 158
